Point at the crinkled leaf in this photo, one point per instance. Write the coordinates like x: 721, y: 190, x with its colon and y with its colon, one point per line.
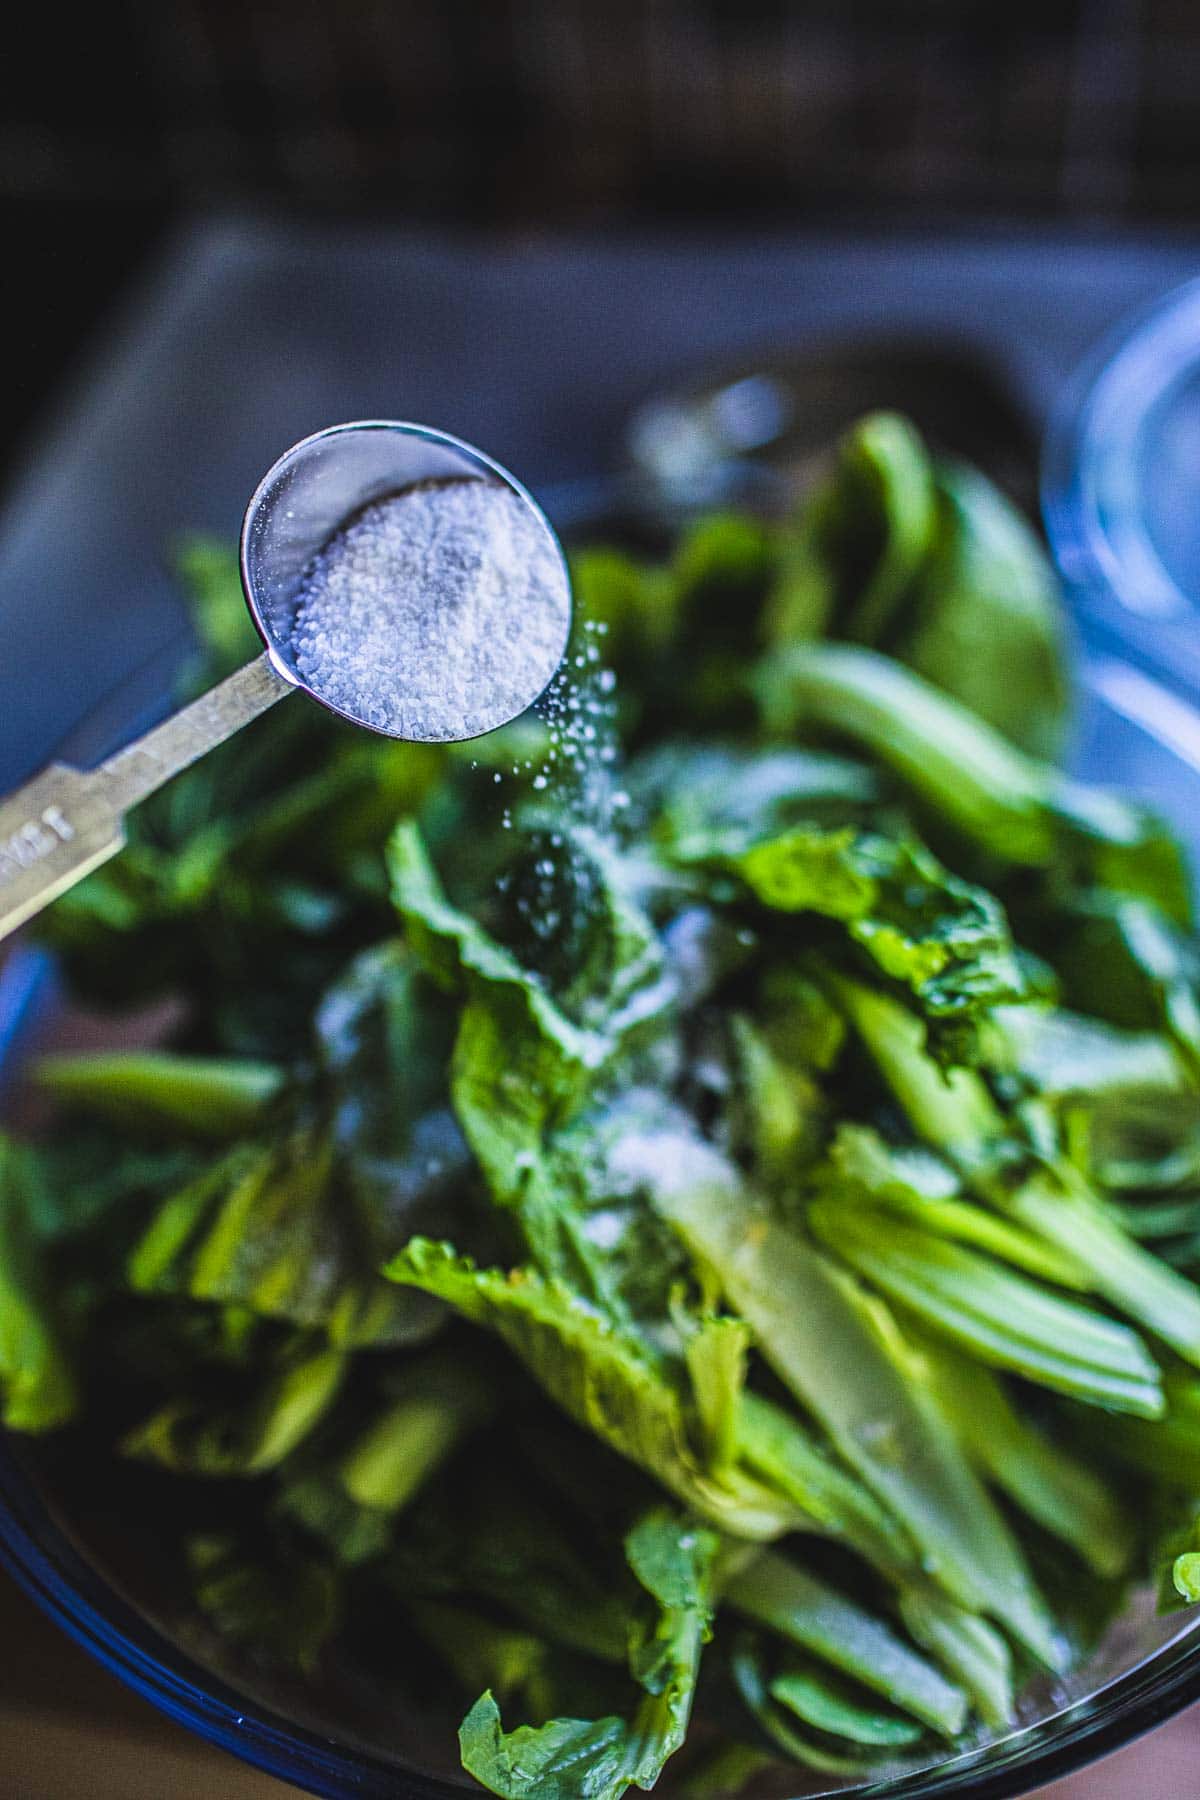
x: 945, y: 939
x: 520, y: 1068
x: 571, y: 904
x: 602, y: 1376
x: 575, y: 1759
x: 637, y: 1259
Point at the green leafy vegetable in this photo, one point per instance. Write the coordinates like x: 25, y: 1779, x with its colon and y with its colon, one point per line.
x: 249, y: 1437
x: 284, y: 1603
x: 820, y: 1701
x: 547, y: 1208
x: 838, y: 1359
x: 923, y: 558
x: 266, y: 1228
x: 604, y: 1378
x: 156, y: 1090
x: 750, y: 1666
x: 1003, y: 803
x: 997, y: 1315
x: 673, y: 1560
x: 968, y: 1648
x: 957, y: 1114
x: 945, y: 940
x: 1049, y: 1483
x: 780, y: 1449
x: 785, y: 1598
x: 988, y: 583
x: 351, y: 1500
x: 1184, y: 1570
x: 37, y: 1388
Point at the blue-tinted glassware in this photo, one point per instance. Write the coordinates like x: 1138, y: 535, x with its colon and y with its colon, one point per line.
x: 1148, y: 1669
x: 1121, y: 488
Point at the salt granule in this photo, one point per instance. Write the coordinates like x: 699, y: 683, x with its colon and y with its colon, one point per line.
x: 435, y: 614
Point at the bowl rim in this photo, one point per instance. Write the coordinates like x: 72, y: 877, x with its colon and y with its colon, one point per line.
x: 1096, y: 531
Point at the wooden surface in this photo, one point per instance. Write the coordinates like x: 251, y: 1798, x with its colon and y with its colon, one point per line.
x: 69, y: 1731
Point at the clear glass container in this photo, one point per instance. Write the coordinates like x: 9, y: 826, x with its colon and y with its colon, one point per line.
x: 1121, y: 489
x: 85, y: 1550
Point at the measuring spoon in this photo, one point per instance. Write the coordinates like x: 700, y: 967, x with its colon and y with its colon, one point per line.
x: 65, y: 822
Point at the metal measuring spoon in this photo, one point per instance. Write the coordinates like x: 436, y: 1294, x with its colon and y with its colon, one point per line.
x: 66, y: 821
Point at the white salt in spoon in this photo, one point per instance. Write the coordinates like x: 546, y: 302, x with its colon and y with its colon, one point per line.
x: 396, y: 575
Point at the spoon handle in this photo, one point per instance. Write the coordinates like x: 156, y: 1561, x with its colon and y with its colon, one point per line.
x: 66, y: 822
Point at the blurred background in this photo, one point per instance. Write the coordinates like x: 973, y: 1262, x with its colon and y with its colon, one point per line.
x: 526, y: 120
x: 521, y: 115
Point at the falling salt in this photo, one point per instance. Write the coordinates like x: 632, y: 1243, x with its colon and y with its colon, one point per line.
x: 435, y: 614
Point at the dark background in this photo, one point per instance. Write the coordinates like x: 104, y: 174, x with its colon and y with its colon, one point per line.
x: 529, y: 114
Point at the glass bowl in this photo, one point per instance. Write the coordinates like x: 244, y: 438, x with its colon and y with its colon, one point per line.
x: 80, y: 1537
x: 1121, y: 487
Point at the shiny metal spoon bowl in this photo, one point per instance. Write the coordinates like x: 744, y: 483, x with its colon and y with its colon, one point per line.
x: 328, y: 478
x: 65, y: 822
